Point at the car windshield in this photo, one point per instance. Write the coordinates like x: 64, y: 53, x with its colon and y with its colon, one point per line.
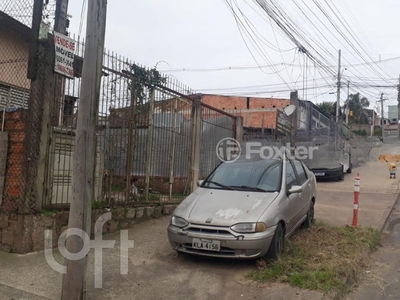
x: 248, y: 176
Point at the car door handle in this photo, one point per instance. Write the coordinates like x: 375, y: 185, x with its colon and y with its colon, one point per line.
x: 300, y: 196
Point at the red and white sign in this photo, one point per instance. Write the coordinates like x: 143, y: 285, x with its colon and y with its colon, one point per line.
x: 65, y: 54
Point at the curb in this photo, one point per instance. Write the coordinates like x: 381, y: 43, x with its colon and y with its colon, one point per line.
x: 390, y: 212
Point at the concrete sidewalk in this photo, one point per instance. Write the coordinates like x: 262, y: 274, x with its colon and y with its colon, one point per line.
x: 157, y: 272
x: 378, y: 194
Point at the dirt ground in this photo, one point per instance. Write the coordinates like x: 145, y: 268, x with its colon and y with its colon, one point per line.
x: 157, y: 272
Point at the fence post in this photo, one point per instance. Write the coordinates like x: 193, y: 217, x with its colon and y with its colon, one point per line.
x: 196, y: 139
x: 172, y: 157
x: 239, y: 129
x: 36, y: 143
x: 356, y: 195
x: 131, y: 136
x: 149, y: 155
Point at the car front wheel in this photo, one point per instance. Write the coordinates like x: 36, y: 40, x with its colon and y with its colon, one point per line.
x: 277, y: 244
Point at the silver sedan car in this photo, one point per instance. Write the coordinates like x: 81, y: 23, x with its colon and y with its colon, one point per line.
x: 245, y: 209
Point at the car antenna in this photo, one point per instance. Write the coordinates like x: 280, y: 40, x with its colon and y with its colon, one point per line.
x: 284, y: 152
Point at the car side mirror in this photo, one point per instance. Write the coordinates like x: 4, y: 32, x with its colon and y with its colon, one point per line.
x: 199, y: 182
x: 295, y: 189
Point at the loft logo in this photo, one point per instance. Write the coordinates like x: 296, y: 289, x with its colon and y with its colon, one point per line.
x: 97, y: 244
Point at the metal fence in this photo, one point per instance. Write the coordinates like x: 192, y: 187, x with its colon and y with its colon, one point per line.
x: 21, y: 10
x: 144, y: 136
x: 20, y: 110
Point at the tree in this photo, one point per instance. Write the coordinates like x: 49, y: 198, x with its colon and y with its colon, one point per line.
x: 357, y: 104
x: 328, y: 108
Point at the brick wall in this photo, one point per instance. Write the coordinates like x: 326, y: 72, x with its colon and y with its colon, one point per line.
x: 13, y: 183
x: 256, y: 112
x: 240, y: 103
x: 259, y: 119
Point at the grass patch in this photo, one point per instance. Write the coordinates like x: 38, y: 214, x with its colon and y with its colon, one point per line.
x: 48, y: 213
x: 117, y: 188
x: 152, y: 197
x: 321, y: 257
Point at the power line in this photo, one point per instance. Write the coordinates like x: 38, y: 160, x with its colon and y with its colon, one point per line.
x: 217, y: 69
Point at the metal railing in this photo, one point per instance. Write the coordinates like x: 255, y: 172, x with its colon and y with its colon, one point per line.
x: 144, y: 136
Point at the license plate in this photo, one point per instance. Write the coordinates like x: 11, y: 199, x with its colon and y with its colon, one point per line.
x: 319, y: 174
x: 203, y: 244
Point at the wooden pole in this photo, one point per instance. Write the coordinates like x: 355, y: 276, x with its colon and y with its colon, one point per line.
x: 73, y: 285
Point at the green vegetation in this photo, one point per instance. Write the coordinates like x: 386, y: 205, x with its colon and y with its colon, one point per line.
x: 328, y: 108
x: 152, y: 197
x: 47, y: 212
x: 361, y: 132
x: 321, y: 257
x: 377, y: 131
x: 357, y: 104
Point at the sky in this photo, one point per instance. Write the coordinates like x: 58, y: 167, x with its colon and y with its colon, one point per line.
x: 200, y: 44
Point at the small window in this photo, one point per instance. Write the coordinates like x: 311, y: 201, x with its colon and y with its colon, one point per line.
x: 291, y: 179
x: 271, y: 179
x: 300, y: 171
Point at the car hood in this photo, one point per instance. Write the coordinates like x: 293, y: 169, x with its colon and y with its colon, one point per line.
x: 224, y: 207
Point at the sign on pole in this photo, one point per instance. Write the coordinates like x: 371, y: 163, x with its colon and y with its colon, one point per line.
x: 65, y: 49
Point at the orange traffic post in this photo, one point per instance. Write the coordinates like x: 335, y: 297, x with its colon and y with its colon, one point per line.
x: 356, y: 195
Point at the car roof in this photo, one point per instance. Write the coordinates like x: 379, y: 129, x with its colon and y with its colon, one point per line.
x: 243, y: 159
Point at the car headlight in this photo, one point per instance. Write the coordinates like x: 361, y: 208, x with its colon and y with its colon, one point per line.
x: 178, y: 222
x: 249, y: 227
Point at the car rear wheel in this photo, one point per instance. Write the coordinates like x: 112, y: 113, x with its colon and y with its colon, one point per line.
x: 341, y: 177
x: 310, y: 216
x: 350, y: 168
x: 277, y: 244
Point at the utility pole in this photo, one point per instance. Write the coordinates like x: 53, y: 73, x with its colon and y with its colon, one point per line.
x: 382, y: 114
x: 347, y: 103
x: 337, y: 101
x: 373, y: 122
x: 73, y: 285
x: 338, y: 89
x: 60, y: 26
x: 398, y: 109
x: 60, y: 21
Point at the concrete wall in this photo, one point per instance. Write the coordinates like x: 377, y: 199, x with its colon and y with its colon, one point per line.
x: 393, y: 112
x: 3, y: 161
x: 26, y: 233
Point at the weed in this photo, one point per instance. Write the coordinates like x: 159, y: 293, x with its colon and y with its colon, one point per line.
x: 321, y: 257
x: 48, y: 213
